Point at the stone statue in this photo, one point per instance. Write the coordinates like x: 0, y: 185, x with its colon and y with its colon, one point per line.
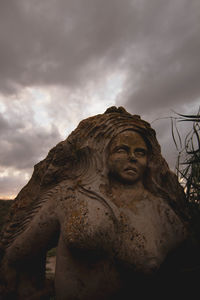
x: 105, y: 197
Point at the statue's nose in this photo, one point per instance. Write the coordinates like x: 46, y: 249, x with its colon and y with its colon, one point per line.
x: 132, y: 156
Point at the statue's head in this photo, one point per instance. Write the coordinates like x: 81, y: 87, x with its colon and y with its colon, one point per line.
x: 115, y: 144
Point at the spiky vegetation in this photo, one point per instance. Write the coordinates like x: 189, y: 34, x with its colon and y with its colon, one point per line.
x: 188, y: 163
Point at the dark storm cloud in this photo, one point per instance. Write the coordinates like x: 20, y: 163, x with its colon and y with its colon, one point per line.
x: 60, y: 42
x: 69, y: 42
x: 72, y: 43
x: 166, y: 70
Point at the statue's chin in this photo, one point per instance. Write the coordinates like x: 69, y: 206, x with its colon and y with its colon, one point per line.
x: 127, y: 177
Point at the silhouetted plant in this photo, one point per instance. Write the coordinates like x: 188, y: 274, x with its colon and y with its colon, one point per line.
x: 188, y: 162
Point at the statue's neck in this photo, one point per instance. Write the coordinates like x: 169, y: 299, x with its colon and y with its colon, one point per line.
x: 125, y: 193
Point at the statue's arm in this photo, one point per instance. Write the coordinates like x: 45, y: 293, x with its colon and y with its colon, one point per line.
x: 23, y: 264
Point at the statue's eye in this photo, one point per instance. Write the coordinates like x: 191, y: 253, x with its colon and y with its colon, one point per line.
x: 140, y: 152
x: 121, y: 150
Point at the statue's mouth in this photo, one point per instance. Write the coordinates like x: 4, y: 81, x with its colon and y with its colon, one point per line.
x: 131, y: 170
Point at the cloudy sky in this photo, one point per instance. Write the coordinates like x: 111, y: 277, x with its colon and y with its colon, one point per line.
x: 64, y: 60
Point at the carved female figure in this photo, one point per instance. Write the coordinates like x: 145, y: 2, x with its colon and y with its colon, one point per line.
x: 107, y: 199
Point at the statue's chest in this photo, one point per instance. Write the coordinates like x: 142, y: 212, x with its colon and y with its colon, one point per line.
x: 140, y: 241
x: 139, y: 238
x: 147, y: 234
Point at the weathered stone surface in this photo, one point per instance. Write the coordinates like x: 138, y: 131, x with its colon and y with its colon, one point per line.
x: 106, y: 198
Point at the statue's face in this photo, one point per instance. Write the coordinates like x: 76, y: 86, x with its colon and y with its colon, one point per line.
x: 127, y: 159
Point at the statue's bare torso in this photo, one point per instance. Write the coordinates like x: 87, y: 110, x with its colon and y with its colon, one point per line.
x: 95, y: 248
x: 98, y: 244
